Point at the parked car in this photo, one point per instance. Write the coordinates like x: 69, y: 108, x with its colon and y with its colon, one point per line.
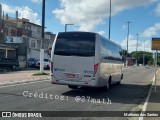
x: 46, y: 64
x: 32, y: 62
x: 11, y: 63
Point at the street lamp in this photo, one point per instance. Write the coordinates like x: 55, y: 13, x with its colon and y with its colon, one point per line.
x: 66, y: 26
x: 110, y: 22
x: 42, y: 45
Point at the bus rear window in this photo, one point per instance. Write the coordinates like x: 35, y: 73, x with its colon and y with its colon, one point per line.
x: 75, y: 44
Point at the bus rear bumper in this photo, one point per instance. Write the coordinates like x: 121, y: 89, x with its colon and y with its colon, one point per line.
x: 91, y: 83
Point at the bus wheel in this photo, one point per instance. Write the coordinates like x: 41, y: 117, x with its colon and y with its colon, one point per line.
x: 107, y: 87
x: 119, y: 82
x: 108, y: 84
x: 121, y: 76
x: 73, y: 87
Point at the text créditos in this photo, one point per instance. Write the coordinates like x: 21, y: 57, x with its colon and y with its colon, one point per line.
x: 44, y: 95
x: 77, y: 99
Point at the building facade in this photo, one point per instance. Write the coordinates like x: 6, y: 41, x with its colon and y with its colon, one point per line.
x: 24, y: 37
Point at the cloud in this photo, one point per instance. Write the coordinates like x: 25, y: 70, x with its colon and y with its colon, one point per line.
x: 157, y: 10
x: 8, y: 9
x: 147, y: 46
x: 28, y: 13
x: 132, y: 43
x: 24, y: 12
x: 102, y: 33
x: 36, y: 1
x: 124, y: 27
x: 151, y: 31
x: 91, y: 14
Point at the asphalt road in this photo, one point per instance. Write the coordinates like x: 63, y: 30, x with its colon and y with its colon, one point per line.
x: 43, y: 96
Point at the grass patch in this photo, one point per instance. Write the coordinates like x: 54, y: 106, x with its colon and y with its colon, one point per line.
x: 39, y: 73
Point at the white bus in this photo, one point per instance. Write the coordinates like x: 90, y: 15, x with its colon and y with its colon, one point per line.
x: 85, y: 59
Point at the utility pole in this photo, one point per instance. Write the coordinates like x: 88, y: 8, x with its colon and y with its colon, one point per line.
x: 128, y: 34
x: 42, y: 46
x: 110, y: 21
x: 144, y: 55
x: 2, y: 27
x: 136, y: 50
x: 66, y: 26
x: 43, y: 20
x: 1, y: 22
x: 155, y: 88
x: 2, y: 30
x: 0, y: 11
x: 128, y: 22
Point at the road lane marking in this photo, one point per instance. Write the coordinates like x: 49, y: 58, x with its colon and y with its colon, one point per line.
x: 9, y: 96
x: 147, y: 99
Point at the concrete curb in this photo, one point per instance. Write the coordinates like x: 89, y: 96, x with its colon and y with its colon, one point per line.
x: 24, y: 81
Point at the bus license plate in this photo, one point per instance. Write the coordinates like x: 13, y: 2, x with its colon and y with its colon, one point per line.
x: 70, y: 75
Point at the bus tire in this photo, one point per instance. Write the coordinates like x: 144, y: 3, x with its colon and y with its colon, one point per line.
x: 119, y: 82
x: 107, y: 87
x: 121, y: 76
x: 109, y: 83
x: 73, y: 87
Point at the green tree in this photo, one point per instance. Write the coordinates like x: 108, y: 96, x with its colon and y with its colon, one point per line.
x: 148, y: 59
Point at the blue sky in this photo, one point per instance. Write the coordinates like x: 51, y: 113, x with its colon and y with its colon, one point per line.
x: 92, y: 15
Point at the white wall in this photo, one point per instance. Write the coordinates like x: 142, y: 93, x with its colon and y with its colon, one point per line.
x: 36, y: 54
x: 10, y: 39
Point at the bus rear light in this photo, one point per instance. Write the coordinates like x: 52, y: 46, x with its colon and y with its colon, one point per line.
x: 95, y: 69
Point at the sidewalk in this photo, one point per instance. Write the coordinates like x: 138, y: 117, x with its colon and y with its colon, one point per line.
x: 154, y: 100
x: 21, y: 76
